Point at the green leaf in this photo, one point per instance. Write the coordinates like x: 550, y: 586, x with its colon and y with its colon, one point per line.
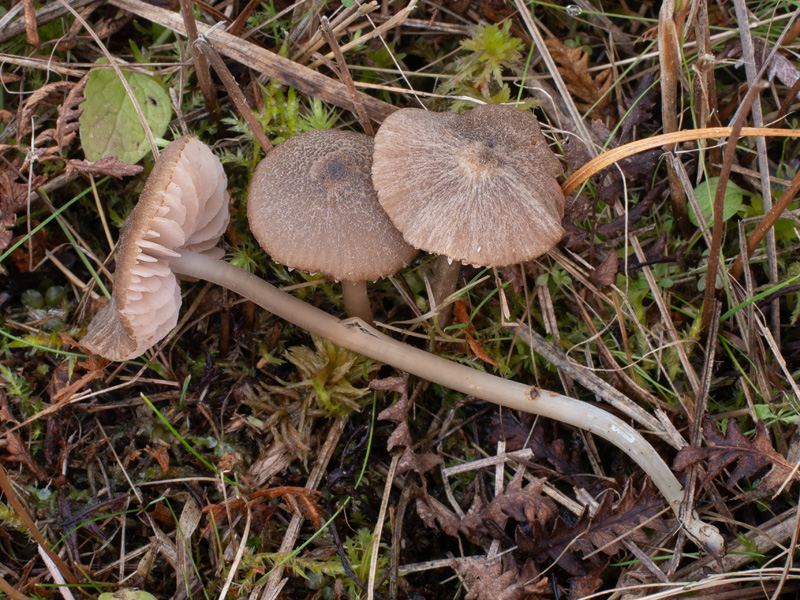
x: 109, y: 123
x: 705, y: 192
x: 127, y: 594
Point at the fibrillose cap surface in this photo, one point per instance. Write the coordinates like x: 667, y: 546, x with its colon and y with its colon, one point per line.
x: 478, y: 187
x: 311, y: 206
x: 184, y: 206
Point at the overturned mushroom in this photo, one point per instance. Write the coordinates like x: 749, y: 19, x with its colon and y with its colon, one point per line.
x: 479, y: 188
x: 311, y: 206
x: 168, y: 232
x: 184, y: 204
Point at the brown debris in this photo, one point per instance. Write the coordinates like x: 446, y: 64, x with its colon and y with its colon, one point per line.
x: 750, y: 455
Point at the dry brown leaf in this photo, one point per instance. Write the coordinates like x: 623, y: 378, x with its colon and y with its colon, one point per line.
x: 606, y: 273
x: 487, y: 581
x: 573, y: 65
x: 36, y: 98
x: 401, y: 436
x: 161, y: 453
x: 751, y: 455
x: 68, y: 113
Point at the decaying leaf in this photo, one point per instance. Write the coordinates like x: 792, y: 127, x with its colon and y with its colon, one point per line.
x: 640, y: 107
x: 600, y: 529
x: 522, y: 504
x: 401, y: 436
x: 519, y: 435
x: 54, y: 88
x: 487, y: 581
x: 68, y: 114
x: 751, y: 455
x: 574, y: 67
x: 606, y: 272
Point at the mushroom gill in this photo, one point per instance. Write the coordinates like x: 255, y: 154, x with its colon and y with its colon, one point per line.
x: 184, y: 205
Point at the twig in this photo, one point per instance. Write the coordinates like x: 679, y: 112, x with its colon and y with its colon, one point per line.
x: 378, y: 31
x: 344, y: 75
x: 44, y: 15
x: 719, y: 204
x: 270, y: 64
x: 234, y: 91
x: 200, y: 63
x: 766, y: 223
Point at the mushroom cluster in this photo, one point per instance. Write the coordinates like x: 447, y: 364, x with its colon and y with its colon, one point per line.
x: 478, y: 188
x: 173, y: 231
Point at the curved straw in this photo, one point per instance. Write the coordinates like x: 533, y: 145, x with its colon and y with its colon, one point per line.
x: 616, y: 154
x: 356, y: 336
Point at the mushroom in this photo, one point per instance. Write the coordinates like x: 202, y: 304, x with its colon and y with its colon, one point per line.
x: 171, y: 233
x: 184, y: 204
x: 311, y: 206
x: 477, y: 188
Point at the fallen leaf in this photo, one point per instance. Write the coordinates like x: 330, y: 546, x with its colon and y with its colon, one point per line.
x: 606, y: 273
x: 519, y: 435
x: 421, y: 462
x: 751, y: 455
x: 640, y: 107
x: 486, y: 579
x: 573, y: 65
x: 109, y: 123
x: 54, y: 88
x: 69, y: 112
x: 573, y: 546
x: 521, y: 504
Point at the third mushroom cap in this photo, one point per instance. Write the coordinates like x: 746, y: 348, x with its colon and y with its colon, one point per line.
x: 478, y: 187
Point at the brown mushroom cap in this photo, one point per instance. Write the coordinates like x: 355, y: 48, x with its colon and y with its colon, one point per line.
x: 478, y: 187
x: 311, y: 206
x: 184, y: 206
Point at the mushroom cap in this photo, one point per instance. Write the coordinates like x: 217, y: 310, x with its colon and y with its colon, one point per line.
x: 184, y: 206
x: 311, y: 206
x: 479, y: 187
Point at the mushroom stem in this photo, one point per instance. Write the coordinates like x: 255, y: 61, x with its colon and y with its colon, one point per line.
x: 356, y: 301
x: 358, y: 337
x: 445, y: 280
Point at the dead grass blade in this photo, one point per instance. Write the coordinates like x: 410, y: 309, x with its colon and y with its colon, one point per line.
x: 719, y: 202
x: 33, y: 530
x: 200, y: 63
x: 670, y: 64
x: 616, y: 154
x: 766, y: 223
x: 284, y: 70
